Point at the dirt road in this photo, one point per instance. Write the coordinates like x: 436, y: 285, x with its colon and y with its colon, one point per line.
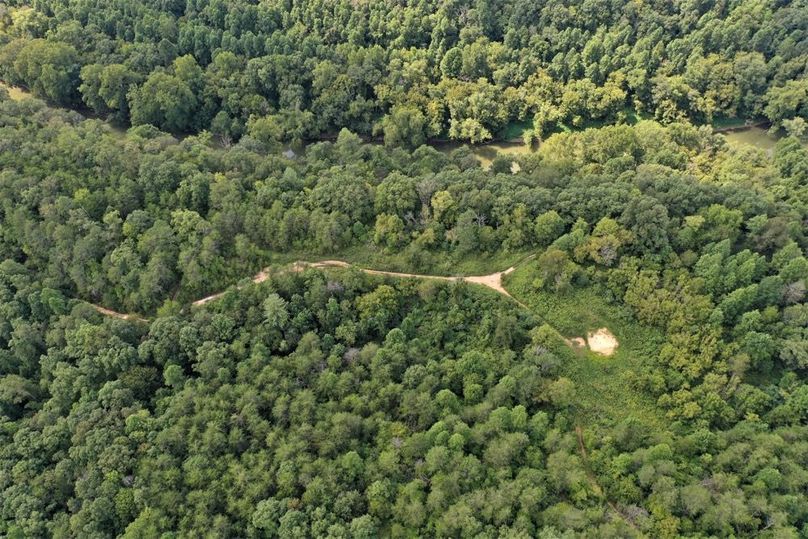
x: 492, y: 281
x: 116, y: 314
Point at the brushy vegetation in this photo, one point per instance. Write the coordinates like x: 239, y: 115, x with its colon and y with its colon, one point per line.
x: 606, y: 386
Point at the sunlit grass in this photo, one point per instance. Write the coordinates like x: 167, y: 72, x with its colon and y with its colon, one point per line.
x: 629, y: 117
x: 515, y: 130
x: 606, y: 386
x: 15, y: 93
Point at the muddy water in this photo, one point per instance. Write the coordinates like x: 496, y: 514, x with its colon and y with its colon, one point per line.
x: 485, y: 153
x: 757, y: 137
x: 753, y: 136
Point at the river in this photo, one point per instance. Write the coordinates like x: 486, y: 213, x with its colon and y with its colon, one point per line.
x: 753, y: 136
x: 757, y: 137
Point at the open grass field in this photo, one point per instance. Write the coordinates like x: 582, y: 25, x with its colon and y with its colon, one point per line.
x: 630, y: 117
x: 515, y: 129
x: 605, y: 385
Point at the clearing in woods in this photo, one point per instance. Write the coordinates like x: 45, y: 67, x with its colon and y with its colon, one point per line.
x: 606, y: 391
x: 607, y: 353
x: 601, y: 341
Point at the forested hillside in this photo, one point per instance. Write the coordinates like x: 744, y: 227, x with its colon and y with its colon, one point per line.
x: 339, y: 405
x: 470, y: 70
x: 132, y: 221
x: 204, y: 204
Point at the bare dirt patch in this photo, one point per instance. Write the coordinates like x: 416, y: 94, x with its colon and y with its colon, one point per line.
x: 578, y: 342
x: 493, y: 281
x: 602, y: 342
x: 116, y: 314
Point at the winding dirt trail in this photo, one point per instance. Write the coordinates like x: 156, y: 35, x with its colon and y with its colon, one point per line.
x: 116, y: 314
x: 492, y: 281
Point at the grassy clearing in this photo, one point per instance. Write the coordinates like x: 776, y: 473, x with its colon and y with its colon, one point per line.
x: 630, y: 117
x: 605, y: 384
x: 487, y: 152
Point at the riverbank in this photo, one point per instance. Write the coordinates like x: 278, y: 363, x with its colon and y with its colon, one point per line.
x: 738, y: 131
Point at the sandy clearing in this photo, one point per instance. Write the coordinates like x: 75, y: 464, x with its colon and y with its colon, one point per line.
x: 602, y: 342
x: 208, y: 299
x: 261, y: 276
x: 116, y: 314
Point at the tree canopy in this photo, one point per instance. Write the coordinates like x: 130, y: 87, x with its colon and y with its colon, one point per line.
x: 168, y: 370
x: 464, y: 70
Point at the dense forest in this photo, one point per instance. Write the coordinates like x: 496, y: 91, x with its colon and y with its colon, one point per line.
x: 333, y: 402
x: 287, y: 70
x: 431, y: 408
